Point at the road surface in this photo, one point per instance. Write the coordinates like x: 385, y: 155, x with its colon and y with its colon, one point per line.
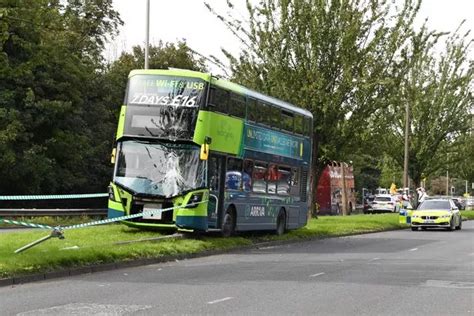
x: 390, y: 273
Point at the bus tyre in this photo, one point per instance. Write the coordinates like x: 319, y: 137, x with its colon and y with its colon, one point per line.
x: 228, y: 223
x: 281, y: 223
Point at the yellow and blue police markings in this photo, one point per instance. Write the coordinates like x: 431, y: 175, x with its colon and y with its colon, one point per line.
x: 404, y: 216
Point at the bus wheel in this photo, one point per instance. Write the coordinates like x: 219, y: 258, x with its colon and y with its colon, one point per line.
x: 281, y: 223
x: 228, y: 224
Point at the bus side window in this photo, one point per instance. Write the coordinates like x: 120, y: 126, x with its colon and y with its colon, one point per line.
x: 252, y: 110
x: 219, y: 99
x: 287, y: 121
x: 299, y: 124
x: 237, y: 105
x: 295, y: 182
x: 284, y: 180
x: 265, y: 114
x: 247, y: 175
x: 258, y: 177
x: 272, y: 178
x: 276, y: 119
x: 233, y: 175
x: 307, y: 126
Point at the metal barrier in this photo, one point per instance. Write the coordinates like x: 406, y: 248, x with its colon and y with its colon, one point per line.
x: 53, y: 212
x: 49, y: 209
x: 51, y: 197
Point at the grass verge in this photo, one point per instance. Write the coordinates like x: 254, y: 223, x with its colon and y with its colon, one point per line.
x: 97, y: 245
x: 469, y: 215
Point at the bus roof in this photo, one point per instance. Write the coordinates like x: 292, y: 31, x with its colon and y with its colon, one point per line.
x: 223, y: 84
x: 257, y: 95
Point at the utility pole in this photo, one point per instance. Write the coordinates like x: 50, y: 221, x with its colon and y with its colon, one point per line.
x: 447, y: 183
x: 147, y: 32
x: 344, y: 189
x: 407, y: 131
x: 447, y: 175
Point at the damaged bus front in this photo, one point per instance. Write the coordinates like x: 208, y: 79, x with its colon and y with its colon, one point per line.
x: 157, y: 168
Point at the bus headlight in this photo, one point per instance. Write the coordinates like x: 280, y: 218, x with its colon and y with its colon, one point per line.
x: 195, y: 198
x: 111, y: 193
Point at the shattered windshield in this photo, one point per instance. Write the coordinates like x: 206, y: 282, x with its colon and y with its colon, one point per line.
x: 159, y: 169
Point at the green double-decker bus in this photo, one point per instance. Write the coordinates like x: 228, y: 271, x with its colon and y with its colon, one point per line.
x: 201, y: 153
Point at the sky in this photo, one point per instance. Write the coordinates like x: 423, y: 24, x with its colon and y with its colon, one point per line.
x: 173, y: 20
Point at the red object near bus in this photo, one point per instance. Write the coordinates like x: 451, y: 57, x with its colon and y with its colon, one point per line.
x: 329, y: 190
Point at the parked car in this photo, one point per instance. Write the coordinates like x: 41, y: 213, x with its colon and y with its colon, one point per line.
x: 470, y: 203
x: 436, y: 213
x: 383, y: 203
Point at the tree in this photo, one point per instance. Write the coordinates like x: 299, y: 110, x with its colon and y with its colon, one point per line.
x: 332, y: 57
x: 49, y: 62
x: 440, y: 97
x: 463, y: 162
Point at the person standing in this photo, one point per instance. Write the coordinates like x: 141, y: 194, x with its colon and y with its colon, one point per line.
x: 421, y: 195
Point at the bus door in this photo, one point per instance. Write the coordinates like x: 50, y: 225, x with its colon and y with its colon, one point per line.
x: 216, y: 176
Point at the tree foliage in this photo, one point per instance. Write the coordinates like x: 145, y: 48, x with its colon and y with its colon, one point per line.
x: 59, y: 100
x: 51, y: 115
x: 438, y: 89
x: 330, y: 56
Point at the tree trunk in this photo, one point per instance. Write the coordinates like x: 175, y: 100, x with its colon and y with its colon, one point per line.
x: 316, y: 170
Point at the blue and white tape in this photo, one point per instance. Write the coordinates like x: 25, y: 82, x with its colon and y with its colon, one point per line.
x: 27, y: 224
x: 94, y: 223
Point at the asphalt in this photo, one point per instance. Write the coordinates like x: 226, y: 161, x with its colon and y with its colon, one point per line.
x: 390, y: 273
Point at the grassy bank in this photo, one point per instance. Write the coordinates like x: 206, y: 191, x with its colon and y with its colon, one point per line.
x: 468, y: 214
x: 101, y: 244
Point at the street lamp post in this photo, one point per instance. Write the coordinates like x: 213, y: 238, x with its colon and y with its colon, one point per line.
x: 147, y: 32
x: 405, y: 160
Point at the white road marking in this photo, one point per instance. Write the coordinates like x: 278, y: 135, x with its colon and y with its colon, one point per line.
x: 87, y: 309
x: 220, y: 300
x: 269, y: 247
x: 449, y: 284
x: 374, y: 259
x: 413, y: 249
x: 315, y: 275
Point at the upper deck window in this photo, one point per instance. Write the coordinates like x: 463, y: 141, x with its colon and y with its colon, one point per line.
x: 163, y: 106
